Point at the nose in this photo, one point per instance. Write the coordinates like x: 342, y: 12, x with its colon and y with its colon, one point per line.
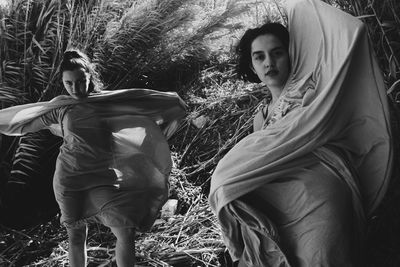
x: 74, y: 87
x: 268, y: 61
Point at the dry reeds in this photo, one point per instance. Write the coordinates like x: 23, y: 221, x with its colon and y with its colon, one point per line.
x: 183, y: 239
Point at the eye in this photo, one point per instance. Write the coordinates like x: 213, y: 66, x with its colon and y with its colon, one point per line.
x: 258, y: 57
x: 278, y: 53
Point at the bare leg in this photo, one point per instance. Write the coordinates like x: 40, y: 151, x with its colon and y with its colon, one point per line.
x: 125, y: 246
x: 77, y: 246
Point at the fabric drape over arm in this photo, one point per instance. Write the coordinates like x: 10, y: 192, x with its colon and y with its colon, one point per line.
x: 114, y: 163
x: 341, y: 98
x: 165, y: 108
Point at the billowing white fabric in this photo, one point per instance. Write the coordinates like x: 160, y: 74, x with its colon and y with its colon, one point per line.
x: 337, y: 80
x: 114, y: 156
x: 335, y: 99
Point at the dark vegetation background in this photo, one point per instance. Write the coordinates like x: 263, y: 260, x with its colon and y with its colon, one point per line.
x: 169, y: 45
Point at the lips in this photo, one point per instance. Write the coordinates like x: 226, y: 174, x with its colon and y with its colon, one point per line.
x: 272, y: 73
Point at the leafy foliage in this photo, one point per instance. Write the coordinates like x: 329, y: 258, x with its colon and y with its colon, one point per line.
x: 26, y: 195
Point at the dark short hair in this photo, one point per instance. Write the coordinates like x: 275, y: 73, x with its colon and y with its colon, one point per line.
x: 75, y: 59
x: 243, y: 49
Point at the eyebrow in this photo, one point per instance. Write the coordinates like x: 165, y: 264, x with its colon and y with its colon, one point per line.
x: 278, y: 48
x: 272, y: 50
x: 257, y: 52
x: 79, y: 79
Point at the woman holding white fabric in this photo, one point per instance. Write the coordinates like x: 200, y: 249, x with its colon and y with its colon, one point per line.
x: 298, y: 190
x: 114, y: 162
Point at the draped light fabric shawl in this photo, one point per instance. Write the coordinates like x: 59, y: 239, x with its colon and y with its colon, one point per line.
x: 165, y: 108
x: 337, y: 97
x: 114, y: 139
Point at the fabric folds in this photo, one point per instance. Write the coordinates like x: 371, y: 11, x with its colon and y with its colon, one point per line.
x: 336, y: 98
x: 114, y: 163
x: 162, y: 107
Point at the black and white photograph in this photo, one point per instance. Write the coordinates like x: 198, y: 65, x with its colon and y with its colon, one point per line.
x: 199, y: 133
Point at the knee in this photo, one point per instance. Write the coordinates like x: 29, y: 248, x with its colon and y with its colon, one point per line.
x: 77, y: 235
x: 124, y: 235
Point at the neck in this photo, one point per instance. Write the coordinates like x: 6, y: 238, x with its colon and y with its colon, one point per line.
x: 275, y: 92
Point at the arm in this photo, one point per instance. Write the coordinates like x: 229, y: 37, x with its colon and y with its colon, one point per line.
x: 19, y: 120
x: 48, y: 120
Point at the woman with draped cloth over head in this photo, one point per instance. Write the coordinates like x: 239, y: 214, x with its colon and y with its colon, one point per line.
x: 299, y: 190
x: 114, y: 163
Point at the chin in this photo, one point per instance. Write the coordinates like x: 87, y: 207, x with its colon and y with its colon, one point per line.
x: 79, y: 96
x: 274, y: 84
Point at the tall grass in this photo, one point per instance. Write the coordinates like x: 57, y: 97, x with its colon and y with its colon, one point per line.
x: 383, y: 22
x: 135, y: 43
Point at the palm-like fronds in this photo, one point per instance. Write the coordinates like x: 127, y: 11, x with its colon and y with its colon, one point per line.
x: 10, y: 96
x: 32, y: 46
x: 135, y: 44
x: 27, y: 197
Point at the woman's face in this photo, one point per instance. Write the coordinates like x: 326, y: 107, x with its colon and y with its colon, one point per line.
x: 270, y: 61
x: 76, y: 82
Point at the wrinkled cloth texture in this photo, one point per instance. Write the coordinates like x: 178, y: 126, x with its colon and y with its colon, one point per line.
x: 114, y: 163
x: 332, y: 114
